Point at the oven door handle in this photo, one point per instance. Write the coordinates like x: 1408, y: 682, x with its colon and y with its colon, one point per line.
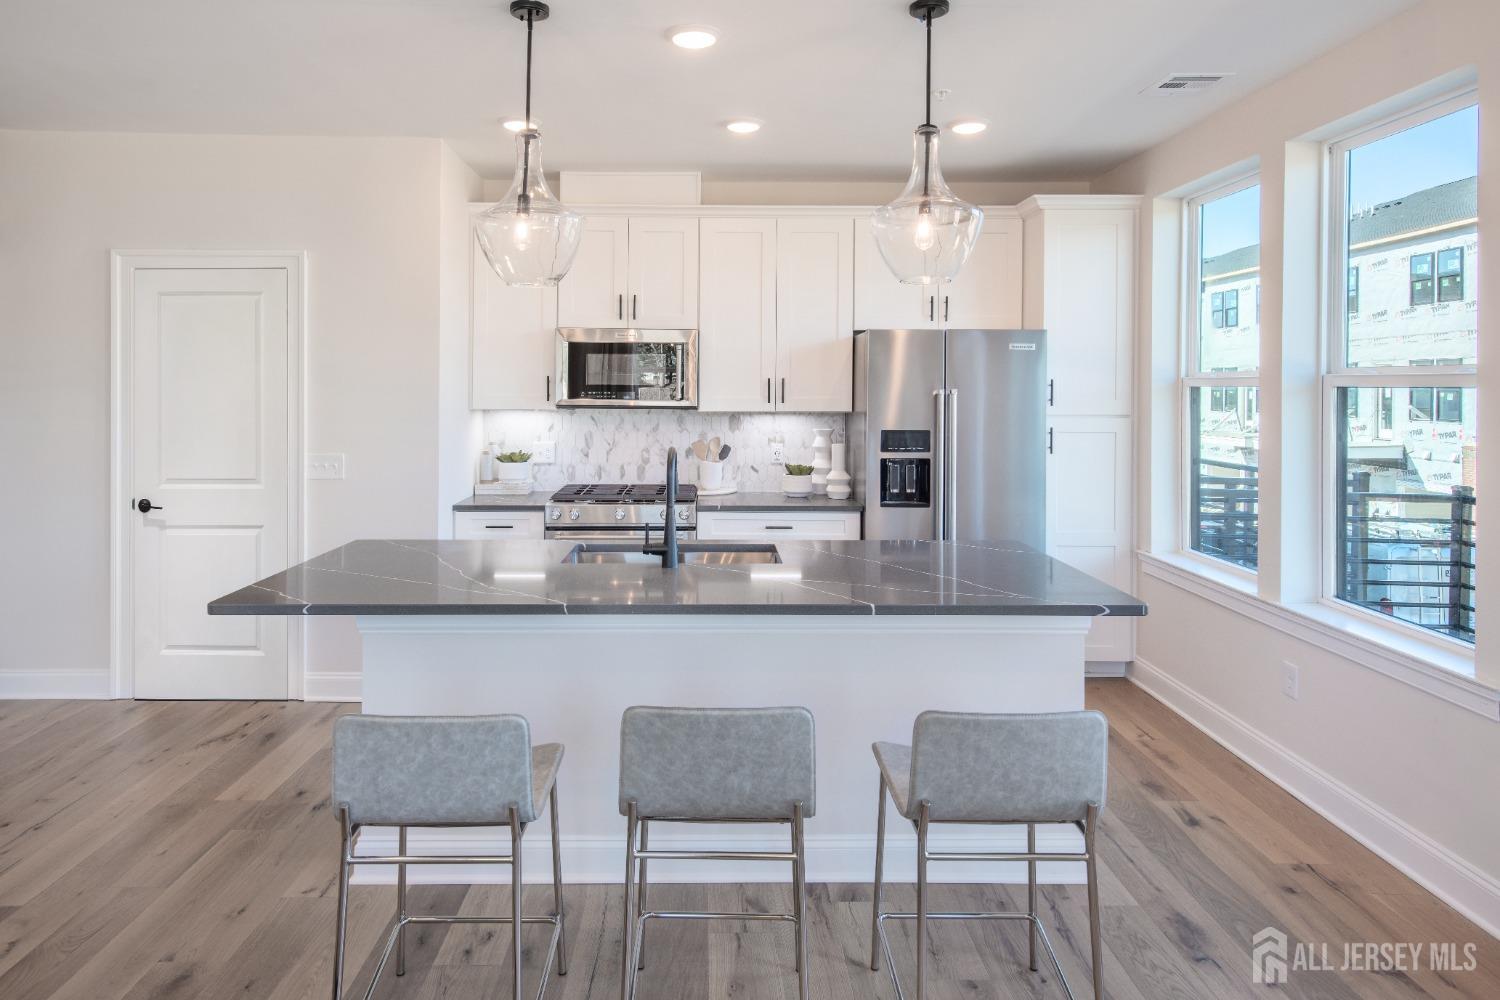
x: 629, y: 536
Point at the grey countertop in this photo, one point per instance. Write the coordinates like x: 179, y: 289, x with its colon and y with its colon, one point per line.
x: 425, y: 577
x: 732, y: 501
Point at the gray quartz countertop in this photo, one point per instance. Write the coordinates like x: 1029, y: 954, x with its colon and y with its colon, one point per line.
x: 732, y: 501
x: 425, y: 577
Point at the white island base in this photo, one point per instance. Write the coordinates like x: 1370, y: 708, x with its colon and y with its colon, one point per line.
x: 865, y: 678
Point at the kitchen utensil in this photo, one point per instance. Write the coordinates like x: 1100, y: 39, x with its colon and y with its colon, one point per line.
x: 724, y: 453
x: 713, y: 447
x: 700, y: 450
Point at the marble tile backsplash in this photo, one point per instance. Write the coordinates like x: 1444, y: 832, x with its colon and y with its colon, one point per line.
x: 630, y: 446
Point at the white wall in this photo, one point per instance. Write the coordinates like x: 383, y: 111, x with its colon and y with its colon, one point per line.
x: 366, y: 213
x: 460, y: 430
x: 1411, y: 774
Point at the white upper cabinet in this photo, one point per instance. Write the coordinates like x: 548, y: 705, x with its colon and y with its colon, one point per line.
x: 880, y: 301
x: 1080, y: 287
x: 663, y: 274
x: 593, y: 292
x: 512, y: 343
x: 814, y: 314
x: 737, y: 310
x: 640, y: 272
x: 986, y: 295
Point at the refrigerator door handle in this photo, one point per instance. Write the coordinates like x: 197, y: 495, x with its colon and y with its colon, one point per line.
x: 950, y: 463
x: 940, y: 463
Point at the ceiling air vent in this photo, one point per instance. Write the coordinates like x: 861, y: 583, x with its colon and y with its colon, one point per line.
x: 1185, y: 83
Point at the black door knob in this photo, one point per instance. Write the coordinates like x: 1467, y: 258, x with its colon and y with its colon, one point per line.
x: 146, y: 505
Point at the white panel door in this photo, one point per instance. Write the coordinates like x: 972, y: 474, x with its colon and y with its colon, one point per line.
x: 986, y: 295
x: 737, y: 309
x: 1088, y: 514
x: 1089, y: 274
x: 593, y: 292
x: 815, y: 314
x: 513, y: 350
x: 663, y: 274
x: 880, y: 301
x: 209, y: 445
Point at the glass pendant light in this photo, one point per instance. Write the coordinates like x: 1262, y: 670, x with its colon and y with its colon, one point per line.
x: 529, y: 237
x: 926, y: 234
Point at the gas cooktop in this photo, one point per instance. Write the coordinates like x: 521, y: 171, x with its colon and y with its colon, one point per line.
x: 622, y: 493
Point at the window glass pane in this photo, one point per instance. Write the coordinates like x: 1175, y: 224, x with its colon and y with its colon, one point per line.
x: 1229, y: 264
x: 1412, y: 210
x: 1225, y: 449
x: 1406, y: 506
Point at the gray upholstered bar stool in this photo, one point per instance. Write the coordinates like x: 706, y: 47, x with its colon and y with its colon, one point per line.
x: 713, y: 765
x: 994, y: 769
x: 442, y: 772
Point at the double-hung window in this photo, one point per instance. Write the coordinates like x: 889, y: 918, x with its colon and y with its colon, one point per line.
x: 1222, y: 447
x: 1400, y: 393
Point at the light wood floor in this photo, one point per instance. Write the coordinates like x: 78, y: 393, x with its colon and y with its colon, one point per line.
x: 186, y: 850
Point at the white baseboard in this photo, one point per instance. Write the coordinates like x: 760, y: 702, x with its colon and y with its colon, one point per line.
x: 331, y: 687
x: 830, y: 858
x: 1468, y: 890
x: 91, y: 684
x: 1105, y: 668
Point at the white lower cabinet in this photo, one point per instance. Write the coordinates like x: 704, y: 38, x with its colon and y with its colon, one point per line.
x: 772, y: 526
x: 1089, y: 515
x: 497, y: 524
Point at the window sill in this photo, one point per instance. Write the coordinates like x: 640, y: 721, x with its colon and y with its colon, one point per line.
x: 1427, y: 665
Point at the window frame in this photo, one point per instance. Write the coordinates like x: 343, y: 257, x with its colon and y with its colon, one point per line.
x: 1338, y: 374
x: 1192, y: 377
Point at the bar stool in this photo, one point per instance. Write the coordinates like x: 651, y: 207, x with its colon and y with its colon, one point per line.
x: 994, y: 769
x: 441, y: 772
x: 713, y: 765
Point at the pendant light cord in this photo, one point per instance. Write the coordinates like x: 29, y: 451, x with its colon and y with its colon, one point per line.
x: 927, y: 122
x: 523, y: 199
x: 927, y: 20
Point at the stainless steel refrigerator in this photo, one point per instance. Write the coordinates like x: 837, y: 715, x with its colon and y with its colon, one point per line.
x: 948, y: 436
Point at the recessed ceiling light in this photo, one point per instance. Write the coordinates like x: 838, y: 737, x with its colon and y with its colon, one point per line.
x: 744, y: 126
x: 516, y: 124
x: 693, y: 36
x: 968, y: 126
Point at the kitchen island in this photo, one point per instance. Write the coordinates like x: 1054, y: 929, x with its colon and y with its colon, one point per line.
x: 865, y: 634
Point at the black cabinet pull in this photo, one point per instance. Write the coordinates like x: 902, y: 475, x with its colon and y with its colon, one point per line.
x: 620, y: 307
x: 549, y: 388
x: 146, y: 505
x: 1049, y: 440
x: 783, y: 390
x: 931, y: 307
x: 779, y: 527
x: 1051, y: 386
x: 493, y: 527
x: 633, y: 311
x: 945, y: 308
x: 769, y: 400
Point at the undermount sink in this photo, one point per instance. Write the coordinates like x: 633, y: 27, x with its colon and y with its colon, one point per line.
x: 689, y: 553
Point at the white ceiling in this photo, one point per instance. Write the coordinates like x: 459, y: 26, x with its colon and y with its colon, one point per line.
x: 838, y: 82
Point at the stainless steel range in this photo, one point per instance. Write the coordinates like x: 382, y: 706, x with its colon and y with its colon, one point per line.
x: 618, y: 511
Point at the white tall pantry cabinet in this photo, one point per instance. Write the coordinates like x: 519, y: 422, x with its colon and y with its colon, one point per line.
x: 1079, y: 277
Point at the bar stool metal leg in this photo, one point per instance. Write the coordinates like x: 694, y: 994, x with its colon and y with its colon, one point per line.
x: 922, y: 824
x: 1031, y: 894
x: 640, y: 896
x: 343, y: 907
x: 879, y: 876
x: 401, y: 904
x: 799, y: 848
x: 516, y: 894
x: 557, y: 883
x: 1096, y: 949
x: 627, y: 964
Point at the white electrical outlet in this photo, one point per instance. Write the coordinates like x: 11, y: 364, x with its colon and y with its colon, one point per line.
x: 1291, y: 679
x: 544, y: 452
x: 778, y: 451
x: 325, y: 466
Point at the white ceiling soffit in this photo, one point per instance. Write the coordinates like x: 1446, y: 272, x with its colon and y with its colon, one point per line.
x: 838, y: 83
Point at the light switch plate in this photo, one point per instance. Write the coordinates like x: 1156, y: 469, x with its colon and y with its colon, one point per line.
x: 544, y: 452
x: 325, y: 466
x: 1291, y: 680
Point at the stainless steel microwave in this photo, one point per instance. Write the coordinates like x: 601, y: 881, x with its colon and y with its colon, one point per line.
x: 627, y: 367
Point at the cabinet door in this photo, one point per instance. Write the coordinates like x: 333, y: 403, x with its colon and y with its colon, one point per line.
x: 663, y: 285
x: 815, y: 314
x: 1089, y: 515
x: 737, y: 309
x: 752, y: 526
x: 1088, y: 276
x: 880, y: 301
x: 512, y: 346
x: 593, y: 292
x: 504, y: 525
x: 986, y: 295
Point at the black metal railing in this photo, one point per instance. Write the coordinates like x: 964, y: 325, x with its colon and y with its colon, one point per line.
x: 1409, y: 555
x: 1226, y: 506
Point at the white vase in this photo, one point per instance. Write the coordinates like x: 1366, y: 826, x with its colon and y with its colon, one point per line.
x: 822, y: 460
x: 839, y: 486
x: 796, y: 486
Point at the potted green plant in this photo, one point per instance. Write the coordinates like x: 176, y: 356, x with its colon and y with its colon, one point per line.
x: 798, y: 480
x: 513, y: 471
